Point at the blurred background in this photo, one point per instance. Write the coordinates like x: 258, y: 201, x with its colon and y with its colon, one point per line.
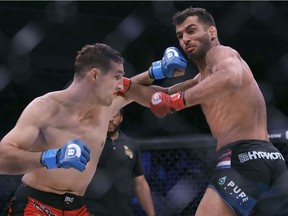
x: 39, y: 42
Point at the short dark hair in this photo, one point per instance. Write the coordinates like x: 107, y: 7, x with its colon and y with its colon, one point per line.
x: 97, y: 55
x: 203, y: 16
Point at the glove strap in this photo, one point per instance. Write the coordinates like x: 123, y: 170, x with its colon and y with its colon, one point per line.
x: 177, y: 101
x: 126, y: 85
x: 49, y: 158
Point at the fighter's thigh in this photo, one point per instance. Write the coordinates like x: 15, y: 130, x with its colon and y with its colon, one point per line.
x: 213, y: 205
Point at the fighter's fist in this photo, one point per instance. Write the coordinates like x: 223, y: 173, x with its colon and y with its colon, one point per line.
x: 171, y: 63
x: 162, y: 104
x: 126, y: 85
x: 74, y: 154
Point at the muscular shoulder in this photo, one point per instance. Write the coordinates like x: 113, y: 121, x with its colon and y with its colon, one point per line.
x: 41, y: 108
x: 223, y: 58
x: 221, y: 53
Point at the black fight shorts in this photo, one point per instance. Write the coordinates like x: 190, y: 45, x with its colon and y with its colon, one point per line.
x: 249, y: 175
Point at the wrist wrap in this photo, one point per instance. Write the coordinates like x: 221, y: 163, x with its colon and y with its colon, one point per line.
x: 177, y: 101
x: 126, y: 85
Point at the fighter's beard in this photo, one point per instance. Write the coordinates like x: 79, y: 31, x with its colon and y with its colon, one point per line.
x: 196, y: 57
x: 200, y: 54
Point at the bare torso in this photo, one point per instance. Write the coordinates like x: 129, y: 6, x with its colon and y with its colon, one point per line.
x: 239, y: 114
x: 61, y: 125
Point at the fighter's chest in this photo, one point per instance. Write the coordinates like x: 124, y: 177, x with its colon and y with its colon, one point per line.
x: 91, y: 131
x: 205, y: 73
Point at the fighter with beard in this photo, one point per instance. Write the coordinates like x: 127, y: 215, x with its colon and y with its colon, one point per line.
x: 250, y: 172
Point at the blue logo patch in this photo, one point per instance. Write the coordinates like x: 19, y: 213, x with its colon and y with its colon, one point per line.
x: 73, y: 150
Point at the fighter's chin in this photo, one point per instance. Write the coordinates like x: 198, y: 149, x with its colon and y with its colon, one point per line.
x: 194, y: 56
x: 107, y: 102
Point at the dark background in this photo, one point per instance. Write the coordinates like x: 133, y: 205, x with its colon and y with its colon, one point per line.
x: 39, y: 42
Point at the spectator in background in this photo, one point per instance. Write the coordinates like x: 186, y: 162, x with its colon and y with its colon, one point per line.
x: 110, y: 192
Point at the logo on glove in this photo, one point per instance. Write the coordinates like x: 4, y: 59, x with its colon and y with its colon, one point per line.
x: 73, y: 150
x: 156, y: 99
x: 171, y: 53
x: 175, y: 96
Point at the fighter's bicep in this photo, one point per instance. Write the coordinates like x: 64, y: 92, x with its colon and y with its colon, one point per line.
x: 22, y: 136
x: 28, y: 126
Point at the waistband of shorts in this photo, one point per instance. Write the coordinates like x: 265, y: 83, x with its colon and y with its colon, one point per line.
x: 240, y: 142
x: 51, y: 199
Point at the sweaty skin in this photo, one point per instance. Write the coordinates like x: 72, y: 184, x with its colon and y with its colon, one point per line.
x: 227, y: 92
x: 81, y: 111
x: 230, y: 98
x: 225, y: 87
x: 51, y: 120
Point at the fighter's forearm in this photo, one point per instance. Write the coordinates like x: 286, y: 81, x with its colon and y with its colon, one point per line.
x: 15, y: 161
x: 142, y: 94
x: 180, y: 87
x: 142, y: 78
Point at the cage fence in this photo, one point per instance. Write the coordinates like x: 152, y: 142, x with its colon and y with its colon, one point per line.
x: 177, y: 170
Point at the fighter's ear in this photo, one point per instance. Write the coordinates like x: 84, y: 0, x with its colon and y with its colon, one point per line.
x: 94, y: 72
x: 213, y: 32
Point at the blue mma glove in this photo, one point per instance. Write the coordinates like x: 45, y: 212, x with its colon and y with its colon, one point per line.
x: 74, y: 154
x: 172, y: 60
